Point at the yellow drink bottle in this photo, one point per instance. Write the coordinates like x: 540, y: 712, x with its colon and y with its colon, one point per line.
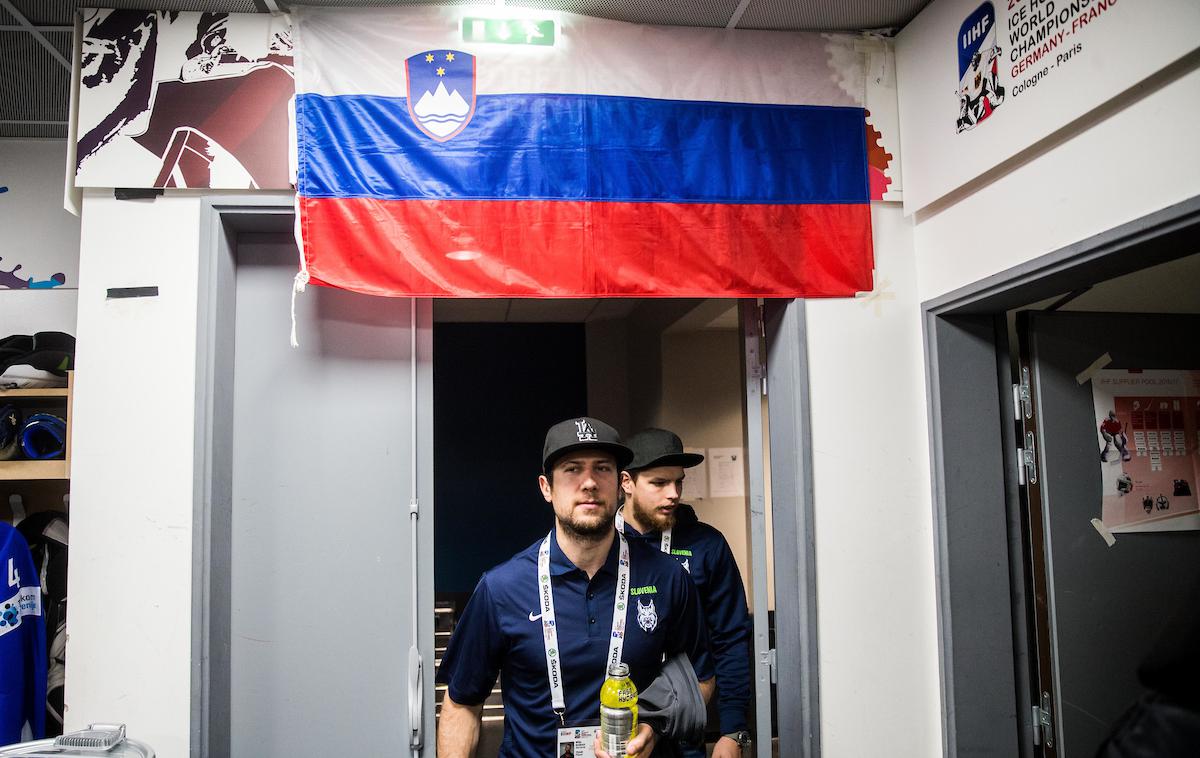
x: 618, y: 710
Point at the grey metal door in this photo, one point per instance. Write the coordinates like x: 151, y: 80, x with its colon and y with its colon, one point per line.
x: 330, y: 447
x: 1103, y: 606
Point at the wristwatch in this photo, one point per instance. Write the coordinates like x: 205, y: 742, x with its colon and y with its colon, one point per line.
x: 742, y: 738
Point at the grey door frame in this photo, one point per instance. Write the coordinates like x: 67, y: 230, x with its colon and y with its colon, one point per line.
x: 775, y: 363
x: 986, y: 708
x: 223, y: 218
x: 797, y: 680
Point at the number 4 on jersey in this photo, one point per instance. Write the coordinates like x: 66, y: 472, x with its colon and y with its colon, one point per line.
x: 14, y: 576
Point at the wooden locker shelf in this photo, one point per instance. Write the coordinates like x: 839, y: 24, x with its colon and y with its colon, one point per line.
x: 18, y: 471
x: 29, y: 471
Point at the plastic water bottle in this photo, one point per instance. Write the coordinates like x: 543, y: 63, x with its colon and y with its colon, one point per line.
x: 618, y: 710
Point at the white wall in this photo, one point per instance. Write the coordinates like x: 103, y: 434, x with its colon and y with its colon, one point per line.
x: 129, y: 652
x: 874, y: 541
x: 1138, y: 155
x: 29, y: 311
x: 1133, y: 156
x: 38, y: 234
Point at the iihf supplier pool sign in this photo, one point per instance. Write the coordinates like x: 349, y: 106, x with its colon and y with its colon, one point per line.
x: 979, y: 88
x: 441, y: 91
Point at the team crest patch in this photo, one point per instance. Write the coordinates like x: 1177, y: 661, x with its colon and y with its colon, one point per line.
x: 979, y: 90
x: 647, y: 616
x: 441, y: 91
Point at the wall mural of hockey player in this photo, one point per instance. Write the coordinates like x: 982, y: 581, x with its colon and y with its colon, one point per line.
x: 1148, y: 438
x: 979, y: 88
x: 171, y: 99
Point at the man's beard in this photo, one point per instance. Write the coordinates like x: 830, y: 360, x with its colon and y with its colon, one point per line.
x: 587, y: 531
x: 650, y: 517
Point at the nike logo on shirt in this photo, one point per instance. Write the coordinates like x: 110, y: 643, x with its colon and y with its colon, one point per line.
x: 532, y: 617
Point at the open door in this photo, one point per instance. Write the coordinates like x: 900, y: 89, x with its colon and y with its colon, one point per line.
x: 1100, y: 607
x: 779, y: 489
x: 762, y: 669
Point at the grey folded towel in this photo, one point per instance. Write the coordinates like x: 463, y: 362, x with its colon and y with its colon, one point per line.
x: 672, y: 704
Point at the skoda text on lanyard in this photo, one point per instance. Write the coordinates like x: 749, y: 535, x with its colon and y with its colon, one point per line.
x: 553, y: 659
x: 664, y: 544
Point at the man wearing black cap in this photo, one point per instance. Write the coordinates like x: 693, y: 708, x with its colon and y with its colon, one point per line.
x: 550, y: 620
x: 653, y: 514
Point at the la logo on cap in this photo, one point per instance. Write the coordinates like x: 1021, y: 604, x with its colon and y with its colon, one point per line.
x: 585, y: 431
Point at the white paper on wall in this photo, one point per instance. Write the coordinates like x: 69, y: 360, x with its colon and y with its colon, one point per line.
x: 726, y: 472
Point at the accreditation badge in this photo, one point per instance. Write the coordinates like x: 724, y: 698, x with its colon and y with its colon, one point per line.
x: 577, y: 742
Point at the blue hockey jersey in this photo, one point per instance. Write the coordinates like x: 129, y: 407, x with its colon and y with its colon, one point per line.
x: 22, y: 641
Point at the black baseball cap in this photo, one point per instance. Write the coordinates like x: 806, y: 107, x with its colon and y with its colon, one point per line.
x: 583, y: 433
x: 659, y: 447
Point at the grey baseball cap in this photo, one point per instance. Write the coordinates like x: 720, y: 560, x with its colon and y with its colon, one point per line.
x: 583, y: 433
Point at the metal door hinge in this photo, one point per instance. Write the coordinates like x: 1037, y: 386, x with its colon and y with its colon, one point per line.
x: 1043, y: 723
x: 1023, y: 397
x: 762, y: 333
x: 1027, y: 461
x: 768, y: 659
x: 756, y: 354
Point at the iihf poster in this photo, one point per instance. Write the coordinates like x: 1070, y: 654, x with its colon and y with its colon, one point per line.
x: 1148, y: 439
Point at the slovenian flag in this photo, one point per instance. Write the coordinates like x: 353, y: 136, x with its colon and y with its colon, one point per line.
x: 621, y: 160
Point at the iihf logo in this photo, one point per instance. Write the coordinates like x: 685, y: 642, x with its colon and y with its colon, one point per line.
x: 441, y: 91
x: 979, y: 90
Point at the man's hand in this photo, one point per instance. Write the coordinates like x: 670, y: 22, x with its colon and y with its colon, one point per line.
x: 640, y: 746
x: 726, y: 748
x: 707, y: 688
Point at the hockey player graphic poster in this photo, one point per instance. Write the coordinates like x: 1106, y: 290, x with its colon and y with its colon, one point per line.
x: 1148, y: 443
x: 984, y: 80
x: 174, y: 99
x: 979, y: 88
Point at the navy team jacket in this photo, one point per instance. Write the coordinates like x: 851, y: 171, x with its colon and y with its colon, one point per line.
x: 703, y: 551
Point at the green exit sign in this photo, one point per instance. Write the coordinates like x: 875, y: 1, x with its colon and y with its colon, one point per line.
x: 509, y: 31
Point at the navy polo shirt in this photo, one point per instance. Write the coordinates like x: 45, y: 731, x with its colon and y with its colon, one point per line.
x: 705, y: 553
x: 500, y: 632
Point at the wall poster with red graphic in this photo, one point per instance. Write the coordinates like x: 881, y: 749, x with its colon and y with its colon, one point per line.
x: 1148, y: 438
x: 184, y: 99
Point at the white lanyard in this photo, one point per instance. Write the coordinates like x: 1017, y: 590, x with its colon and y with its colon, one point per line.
x: 616, y: 641
x: 664, y: 543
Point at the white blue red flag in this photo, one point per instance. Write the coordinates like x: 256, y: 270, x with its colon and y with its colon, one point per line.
x: 623, y: 160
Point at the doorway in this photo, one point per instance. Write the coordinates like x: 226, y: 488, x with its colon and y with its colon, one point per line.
x: 677, y: 364
x: 347, y: 341
x: 1014, y: 453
